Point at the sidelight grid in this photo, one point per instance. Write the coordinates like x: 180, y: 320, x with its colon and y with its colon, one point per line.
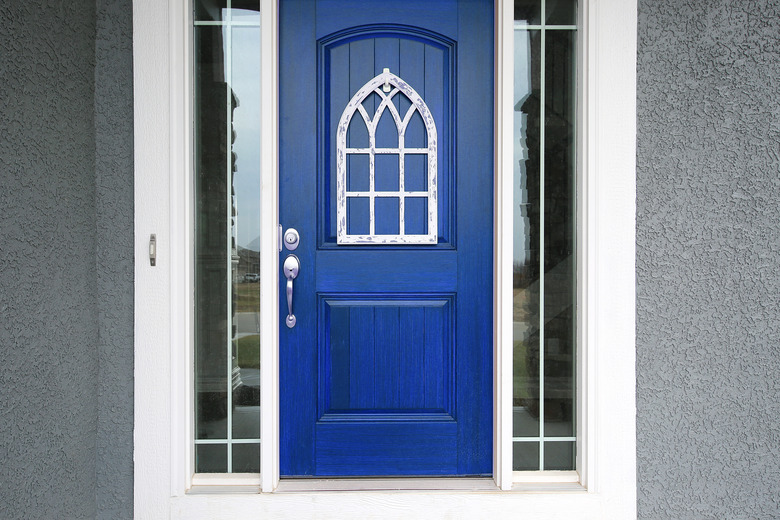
x: 547, y: 443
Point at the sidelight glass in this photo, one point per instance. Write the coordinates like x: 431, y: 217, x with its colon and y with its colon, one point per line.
x: 544, y: 192
x: 226, y: 163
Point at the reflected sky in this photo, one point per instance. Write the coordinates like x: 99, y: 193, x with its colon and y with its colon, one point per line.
x: 521, y: 244
x: 245, y: 82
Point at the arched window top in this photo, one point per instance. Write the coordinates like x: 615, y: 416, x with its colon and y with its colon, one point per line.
x: 398, y: 212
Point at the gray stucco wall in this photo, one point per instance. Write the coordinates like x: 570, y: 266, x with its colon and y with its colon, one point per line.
x: 48, y: 362
x: 708, y: 259
x: 114, y: 256
x: 66, y: 227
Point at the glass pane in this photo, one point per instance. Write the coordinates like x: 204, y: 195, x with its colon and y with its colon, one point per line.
x: 246, y: 458
x: 559, y: 455
x: 211, y: 273
x: 525, y: 456
x: 525, y: 280
x: 559, y: 231
x: 210, y: 458
x: 210, y: 10
x: 245, y: 11
x: 217, y: 10
x: 528, y: 12
x: 245, y: 85
x: 227, y: 241
x: 561, y: 12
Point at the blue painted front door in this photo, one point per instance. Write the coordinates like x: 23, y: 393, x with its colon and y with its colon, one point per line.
x: 388, y: 370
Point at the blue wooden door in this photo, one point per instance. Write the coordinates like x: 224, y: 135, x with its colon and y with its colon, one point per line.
x: 388, y: 369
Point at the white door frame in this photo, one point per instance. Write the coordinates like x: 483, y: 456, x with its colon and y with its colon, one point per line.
x: 606, y: 484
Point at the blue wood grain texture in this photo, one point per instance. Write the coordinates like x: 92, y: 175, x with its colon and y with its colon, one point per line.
x: 438, y: 98
x: 412, y: 357
x: 386, y: 349
x: 387, y: 172
x: 474, y: 353
x: 361, y: 358
x: 389, y: 369
x: 297, y: 200
x: 337, y: 375
x: 344, y: 451
x: 387, y: 211
x: 386, y: 354
x: 387, y: 271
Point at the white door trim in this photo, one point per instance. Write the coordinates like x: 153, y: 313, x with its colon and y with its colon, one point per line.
x: 163, y: 315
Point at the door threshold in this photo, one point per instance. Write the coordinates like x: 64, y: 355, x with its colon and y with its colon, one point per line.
x: 462, y: 484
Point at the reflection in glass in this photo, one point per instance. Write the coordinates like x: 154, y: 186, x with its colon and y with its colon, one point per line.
x: 544, y: 285
x: 227, y: 265
x: 525, y: 456
x: 528, y: 12
x: 525, y: 276
x: 221, y: 10
x: 211, y: 458
x: 559, y: 230
x: 560, y: 12
x: 559, y: 455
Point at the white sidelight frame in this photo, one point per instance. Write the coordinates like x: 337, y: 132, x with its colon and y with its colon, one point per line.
x: 604, y: 485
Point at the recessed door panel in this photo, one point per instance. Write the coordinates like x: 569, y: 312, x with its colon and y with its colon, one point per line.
x: 388, y: 356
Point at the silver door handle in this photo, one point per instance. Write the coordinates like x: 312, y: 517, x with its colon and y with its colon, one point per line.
x: 291, y: 268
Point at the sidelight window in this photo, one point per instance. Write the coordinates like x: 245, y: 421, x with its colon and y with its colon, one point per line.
x: 543, y: 281
x: 226, y: 76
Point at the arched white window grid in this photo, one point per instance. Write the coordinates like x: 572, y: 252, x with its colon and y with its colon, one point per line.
x: 386, y: 79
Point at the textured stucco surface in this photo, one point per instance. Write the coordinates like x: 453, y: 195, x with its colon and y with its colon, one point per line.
x: 66, y: 260
x: 708, y: 259
x: 114, y: 256
x: 48, y: 362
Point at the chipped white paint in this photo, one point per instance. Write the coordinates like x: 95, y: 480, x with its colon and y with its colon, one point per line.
x: 386, y: 85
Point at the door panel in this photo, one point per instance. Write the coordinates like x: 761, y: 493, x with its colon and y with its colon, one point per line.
x: 388, y: 370
x: 386, y: 355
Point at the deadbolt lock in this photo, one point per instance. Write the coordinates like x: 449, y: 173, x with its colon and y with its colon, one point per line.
x: 291, y: 239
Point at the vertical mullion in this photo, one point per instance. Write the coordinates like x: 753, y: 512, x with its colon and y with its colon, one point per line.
x: 372, y: 161
x: 228, y: 35
x: 542, y: 125
x: 401, y: 187
x: 371, y: 171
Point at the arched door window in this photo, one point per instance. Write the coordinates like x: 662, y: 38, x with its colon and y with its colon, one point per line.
x: 389, y: 203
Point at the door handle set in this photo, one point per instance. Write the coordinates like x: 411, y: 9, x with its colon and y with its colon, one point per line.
x: 291, y: 268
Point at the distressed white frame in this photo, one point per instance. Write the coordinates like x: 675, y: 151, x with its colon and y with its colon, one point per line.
x: 606, y: 453
x: 393, y: 85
